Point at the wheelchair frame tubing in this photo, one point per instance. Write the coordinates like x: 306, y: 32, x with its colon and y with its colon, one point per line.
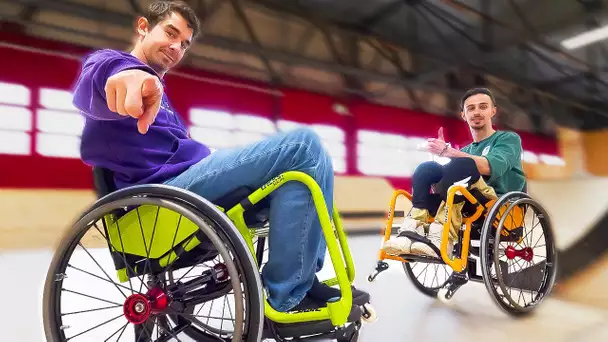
x: 340, y: 255
x: 457, y: 264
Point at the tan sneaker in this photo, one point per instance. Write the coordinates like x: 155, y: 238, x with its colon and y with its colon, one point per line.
x: 434, y: 235
x: 401, y: 244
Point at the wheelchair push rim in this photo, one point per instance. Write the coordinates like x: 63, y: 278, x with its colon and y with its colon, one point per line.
x: 138, y: 307
x: 533, y: 280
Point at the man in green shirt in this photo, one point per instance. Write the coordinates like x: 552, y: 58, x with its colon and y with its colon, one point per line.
x: 489, y: 167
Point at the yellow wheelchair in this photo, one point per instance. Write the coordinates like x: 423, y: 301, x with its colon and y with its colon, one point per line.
x: 168, y: 262
x: 507, y: 256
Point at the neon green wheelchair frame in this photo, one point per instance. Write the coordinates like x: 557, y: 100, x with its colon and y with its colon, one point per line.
x: 337, y: 312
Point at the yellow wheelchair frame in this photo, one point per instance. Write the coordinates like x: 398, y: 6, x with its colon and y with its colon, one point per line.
x: 503, y: 216
x: 340, y: 255
x: 457, y: 264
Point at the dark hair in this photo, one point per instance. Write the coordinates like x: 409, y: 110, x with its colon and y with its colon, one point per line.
x: 475, y: 91
x: 159, y: 10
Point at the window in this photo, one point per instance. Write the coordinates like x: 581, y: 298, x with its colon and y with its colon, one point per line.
x: 529, y: 157
x: 219, y: 129
x: 332, y: 138
x: 250, y: 129
x: 15, y: 119
x: 551, y: 160
x: 386, y: 154
x: 533, y: 158
x: 59, y: 125
x: 212, y: 128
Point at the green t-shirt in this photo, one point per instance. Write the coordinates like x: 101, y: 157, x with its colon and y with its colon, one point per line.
x: 504, y: 153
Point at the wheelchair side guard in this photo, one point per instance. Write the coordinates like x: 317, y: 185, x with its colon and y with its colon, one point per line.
x: 514, y: 220
x: 337, y: 312
x: 513, y: 223
x: 138, y: 235
x: 139, y: 231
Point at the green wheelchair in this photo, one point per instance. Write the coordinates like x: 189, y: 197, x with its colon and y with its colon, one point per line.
x: 155, y: 262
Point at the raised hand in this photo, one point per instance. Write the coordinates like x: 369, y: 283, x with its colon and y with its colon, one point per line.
x: 440, y: 134
x: 135, y: 93
x: 437, y: 145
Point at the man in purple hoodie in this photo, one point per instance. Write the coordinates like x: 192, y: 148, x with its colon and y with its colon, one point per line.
x: 132, y: 130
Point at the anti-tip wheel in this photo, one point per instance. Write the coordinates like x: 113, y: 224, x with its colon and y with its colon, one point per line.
x: 442, y: 295
x: 369, y: 314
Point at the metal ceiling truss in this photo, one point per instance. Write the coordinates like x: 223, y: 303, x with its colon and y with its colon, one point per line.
x: 289, y: 58
x: 565, y: 108
x: 537, y: 100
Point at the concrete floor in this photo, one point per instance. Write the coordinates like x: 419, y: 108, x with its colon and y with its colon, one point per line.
x: 404, y: 313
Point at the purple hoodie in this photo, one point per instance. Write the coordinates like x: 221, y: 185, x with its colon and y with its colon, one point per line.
x: 112, y: 141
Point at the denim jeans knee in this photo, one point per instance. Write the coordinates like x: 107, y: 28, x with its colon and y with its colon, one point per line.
x: 296, y: 243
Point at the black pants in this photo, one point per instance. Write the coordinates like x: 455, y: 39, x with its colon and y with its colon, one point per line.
x: 442, y: 177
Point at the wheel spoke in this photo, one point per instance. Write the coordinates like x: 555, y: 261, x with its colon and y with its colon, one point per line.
x: 91, y: 310
x: 95, y: 327
x: 101, y: 268
x: 96, y: 276
x: 92, y: 297
x: 116, y: 332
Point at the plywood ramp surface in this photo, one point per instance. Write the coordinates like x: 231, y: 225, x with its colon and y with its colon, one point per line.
x: 588, y: 287
x: 31, y: 219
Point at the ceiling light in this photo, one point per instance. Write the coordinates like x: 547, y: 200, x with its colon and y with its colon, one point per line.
x: 586, y: 38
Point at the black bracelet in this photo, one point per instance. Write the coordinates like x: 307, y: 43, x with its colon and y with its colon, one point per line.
x: 447, y: 145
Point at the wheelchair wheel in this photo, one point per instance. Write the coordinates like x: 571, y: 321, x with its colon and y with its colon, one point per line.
x: 428, y: 278
x: 102, y: 285
x: 519, y: 267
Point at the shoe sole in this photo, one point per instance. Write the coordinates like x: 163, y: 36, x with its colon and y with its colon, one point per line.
x: 392, y: 250
x: 424, y: 250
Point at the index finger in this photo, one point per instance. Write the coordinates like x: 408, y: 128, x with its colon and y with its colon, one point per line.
x: 149, y: 115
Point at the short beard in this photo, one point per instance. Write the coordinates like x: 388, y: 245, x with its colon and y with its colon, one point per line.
x: 161, y: 70
x: 478, y: 128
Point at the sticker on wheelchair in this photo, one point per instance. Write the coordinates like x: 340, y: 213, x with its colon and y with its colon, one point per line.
x: 276, y: 181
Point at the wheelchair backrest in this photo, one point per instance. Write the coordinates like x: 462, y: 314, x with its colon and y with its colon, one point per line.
x: 103, y: 179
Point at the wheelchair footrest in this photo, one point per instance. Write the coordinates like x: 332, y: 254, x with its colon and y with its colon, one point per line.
x: 421, y: 258
x: 315, y: 329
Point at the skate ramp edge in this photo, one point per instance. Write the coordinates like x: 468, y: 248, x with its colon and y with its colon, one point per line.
x: 579, y: 215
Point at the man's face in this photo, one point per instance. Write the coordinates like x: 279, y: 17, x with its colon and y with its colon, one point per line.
x: 478, y: 111
x: 165, y: 44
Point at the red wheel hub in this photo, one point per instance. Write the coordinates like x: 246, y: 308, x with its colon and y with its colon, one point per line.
x: 221, y: 272
x: 138, y: 308
x: 525, y: 253
x: 158, y: 300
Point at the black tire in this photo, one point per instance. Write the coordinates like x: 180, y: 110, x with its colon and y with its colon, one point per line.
x: 191, y: 206
x: 429, y: 290
x: 490, y: 255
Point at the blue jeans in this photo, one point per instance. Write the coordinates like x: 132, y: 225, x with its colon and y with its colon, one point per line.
x: 296, y: 243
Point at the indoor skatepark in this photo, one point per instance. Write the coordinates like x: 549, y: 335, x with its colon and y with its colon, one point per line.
x: 370, y: 117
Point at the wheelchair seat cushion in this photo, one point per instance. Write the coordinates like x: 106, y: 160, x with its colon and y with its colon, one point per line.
x: 233, y: 197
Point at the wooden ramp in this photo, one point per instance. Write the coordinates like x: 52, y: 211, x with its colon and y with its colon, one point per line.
x: 32, y: 219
